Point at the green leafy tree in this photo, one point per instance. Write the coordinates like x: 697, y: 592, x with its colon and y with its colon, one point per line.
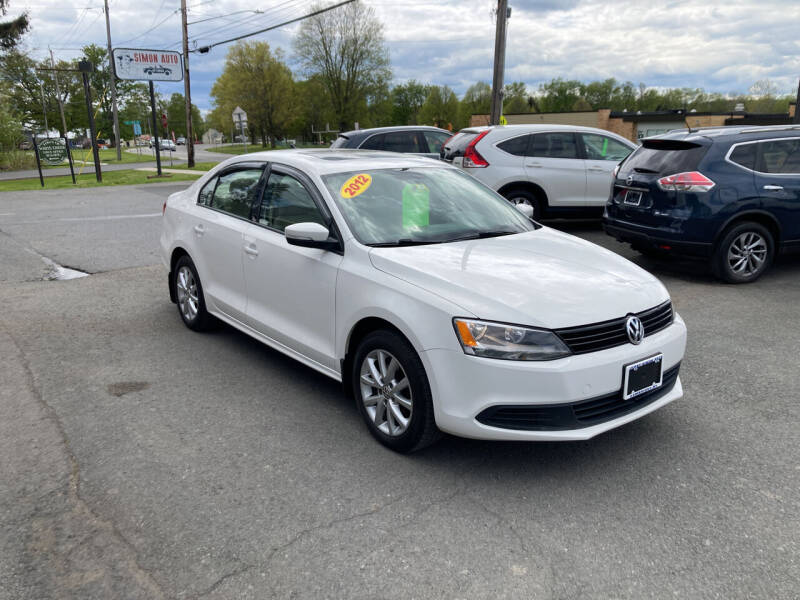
x: 440, y: 108
x: 345, y: 49
x: 515, y: 98
x: 12, y: 31
x: 407, y: 100
x: 256, y: 79
x: 176, y: 116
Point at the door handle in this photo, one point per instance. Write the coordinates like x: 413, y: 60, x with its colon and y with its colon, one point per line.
x: 773, y: 188
x: 596, y: 169
x: 251, y: 250
x: 531, y: 164
x: 199, y: 229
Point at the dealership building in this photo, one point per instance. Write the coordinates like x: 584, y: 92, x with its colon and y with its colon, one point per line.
x: 638, y: 125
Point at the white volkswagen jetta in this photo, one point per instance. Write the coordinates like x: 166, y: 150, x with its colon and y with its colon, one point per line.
x: 438, y: 305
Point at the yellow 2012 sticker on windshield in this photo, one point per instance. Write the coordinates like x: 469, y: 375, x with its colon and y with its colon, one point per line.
x: 357, y: 184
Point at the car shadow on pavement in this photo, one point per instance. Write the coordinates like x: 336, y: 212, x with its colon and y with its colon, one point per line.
x: 472, y: 458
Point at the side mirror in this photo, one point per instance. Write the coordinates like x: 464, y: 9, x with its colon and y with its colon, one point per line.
x: 310, y: 235
x: 525, y: 208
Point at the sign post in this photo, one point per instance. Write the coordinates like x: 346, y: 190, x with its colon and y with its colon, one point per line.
x: 38, y: 162
x: 148, y: 65
x: 240, y: 118
x: 69, y: 157
x: 85, y: 67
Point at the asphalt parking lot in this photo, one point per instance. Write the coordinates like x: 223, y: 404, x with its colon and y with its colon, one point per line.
x: 141, y: 460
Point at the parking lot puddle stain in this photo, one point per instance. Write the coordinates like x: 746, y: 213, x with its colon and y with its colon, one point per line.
x: 59, y: 273
x: 121, y: 388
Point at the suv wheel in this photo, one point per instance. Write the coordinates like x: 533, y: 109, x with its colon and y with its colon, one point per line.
x: 392, y: 392
x: 744, y: 253
x: 525, y: 197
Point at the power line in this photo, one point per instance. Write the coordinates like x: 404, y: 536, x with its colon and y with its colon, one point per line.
x: 160, y: 23
x: 204, y: 49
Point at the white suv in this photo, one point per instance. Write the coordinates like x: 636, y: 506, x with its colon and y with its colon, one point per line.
x: 557, y: 169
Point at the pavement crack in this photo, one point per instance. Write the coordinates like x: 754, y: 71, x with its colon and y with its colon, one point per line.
x: 78, y: 504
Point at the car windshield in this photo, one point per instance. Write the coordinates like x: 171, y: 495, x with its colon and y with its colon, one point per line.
x: 421, y: 205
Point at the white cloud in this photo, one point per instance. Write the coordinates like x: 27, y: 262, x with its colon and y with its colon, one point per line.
x: 715, y: 44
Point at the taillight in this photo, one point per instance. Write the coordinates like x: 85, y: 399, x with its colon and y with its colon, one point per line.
x: 616, y: 171
x: 472, y: 158
x: 692, y: 181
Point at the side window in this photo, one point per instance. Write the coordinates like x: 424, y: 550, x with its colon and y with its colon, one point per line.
x: 517, y: 146
x: 600, y: 147
x: 435, y: 140
x: 373, y: 143
x: 745, y: 155
x: 237, y: 191
x: 207, y: 192
x: 401, y: 141
x: 780, y: 156
x: 554, y: 145
x: 287, y: 201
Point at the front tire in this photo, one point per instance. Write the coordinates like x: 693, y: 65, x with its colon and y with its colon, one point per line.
x: 744, y: 253
x: 189, y: 294
x: 392, y: 392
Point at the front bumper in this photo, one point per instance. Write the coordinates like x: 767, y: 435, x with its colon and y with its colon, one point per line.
x: 465, y: 387
x: 654, y: 237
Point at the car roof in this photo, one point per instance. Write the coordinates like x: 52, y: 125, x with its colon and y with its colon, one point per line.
x: 534, y: 127
x: 373, y: 130
x: 741, y: 132
x: 322, y: 161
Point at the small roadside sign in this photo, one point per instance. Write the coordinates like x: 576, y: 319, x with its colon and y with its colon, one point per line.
x: 137, y: 128
x: 239, y: 116
x: 53, y: 151
x: 503, y: 120
x: 147, y: 65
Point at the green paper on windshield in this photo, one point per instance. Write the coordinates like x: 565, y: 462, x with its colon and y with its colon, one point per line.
x: 416, y: 206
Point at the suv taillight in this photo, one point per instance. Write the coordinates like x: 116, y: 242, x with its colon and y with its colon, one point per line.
x: 692, y: 181
x: 472, y: 158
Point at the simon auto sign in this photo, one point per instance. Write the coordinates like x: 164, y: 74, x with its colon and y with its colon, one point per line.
x: 147, y: 65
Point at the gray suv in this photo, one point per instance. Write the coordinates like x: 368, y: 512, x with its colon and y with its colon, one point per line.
x: 409, y: 139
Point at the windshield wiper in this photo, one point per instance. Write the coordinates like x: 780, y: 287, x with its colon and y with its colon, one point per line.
x: 402, y: 242
x: 479, y: 235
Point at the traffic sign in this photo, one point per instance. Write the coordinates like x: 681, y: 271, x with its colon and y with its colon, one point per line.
x: 239, y: 116
x: 137, y: 128
x: 53, y: 151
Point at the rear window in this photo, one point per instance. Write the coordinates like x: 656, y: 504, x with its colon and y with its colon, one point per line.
x: 339, y: 142
x: 664, y: 157
x: 457, y: 144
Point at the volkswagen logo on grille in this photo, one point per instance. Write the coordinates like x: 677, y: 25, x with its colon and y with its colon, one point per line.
x: 634, y: 329
x: 629, y: 180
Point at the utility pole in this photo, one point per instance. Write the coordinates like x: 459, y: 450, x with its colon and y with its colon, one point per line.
x: 44, y: 110
x: 58, y: 95
x: 113, y: 85
x: 797, y: 105
x: 187, y: 89
x: 499, y: 62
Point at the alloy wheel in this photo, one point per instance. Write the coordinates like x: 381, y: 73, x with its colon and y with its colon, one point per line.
x: 747, y: 254
x: 386, y: 392
x: 186, y: 287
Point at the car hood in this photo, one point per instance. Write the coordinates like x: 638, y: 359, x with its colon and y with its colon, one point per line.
x: 542, y: 278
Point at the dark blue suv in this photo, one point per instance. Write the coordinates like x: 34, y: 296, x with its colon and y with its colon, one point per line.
x: 729, y: 194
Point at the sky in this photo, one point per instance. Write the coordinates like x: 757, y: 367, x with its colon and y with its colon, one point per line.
x: 721, y: 46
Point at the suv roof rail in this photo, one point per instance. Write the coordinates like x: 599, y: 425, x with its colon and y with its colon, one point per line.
x: 771, y: 128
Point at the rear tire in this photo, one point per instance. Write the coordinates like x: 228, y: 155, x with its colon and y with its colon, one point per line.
x: 518, y: 196
x: 744, y: 253
x: 392, y: 392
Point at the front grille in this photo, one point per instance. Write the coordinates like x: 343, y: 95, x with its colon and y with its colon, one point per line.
x: 608, y: 334
x: 576, y: 415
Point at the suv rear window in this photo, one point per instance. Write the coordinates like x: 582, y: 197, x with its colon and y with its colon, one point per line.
x: 339, y: 142
x: 457, y: 144
x: 664, y: 157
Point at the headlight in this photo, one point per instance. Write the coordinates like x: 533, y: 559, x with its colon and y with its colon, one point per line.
x: 509, y: 342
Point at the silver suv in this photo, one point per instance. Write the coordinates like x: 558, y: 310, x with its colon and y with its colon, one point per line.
x: 559, y: 170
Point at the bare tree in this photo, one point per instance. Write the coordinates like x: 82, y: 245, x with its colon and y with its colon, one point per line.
x: 345, y: 49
